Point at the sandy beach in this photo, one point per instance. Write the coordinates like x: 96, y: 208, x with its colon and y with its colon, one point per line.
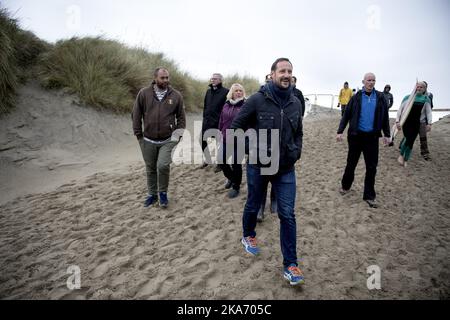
x: 73, y: 185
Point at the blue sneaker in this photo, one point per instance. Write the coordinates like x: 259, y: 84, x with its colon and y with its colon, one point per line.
x: 250, y: 245
x: 163, y: 201
x: 294, y: 275
x: 150, y: 200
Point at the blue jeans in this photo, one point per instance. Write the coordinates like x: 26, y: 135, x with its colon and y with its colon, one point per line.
x: 284, y: 185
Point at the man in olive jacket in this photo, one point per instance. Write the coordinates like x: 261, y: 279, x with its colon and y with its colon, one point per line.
x: 161, y: 108
x: 215, y: 98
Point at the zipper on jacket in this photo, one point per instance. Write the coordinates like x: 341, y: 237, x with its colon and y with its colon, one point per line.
x: 159, y: 118
x: 281, y: 129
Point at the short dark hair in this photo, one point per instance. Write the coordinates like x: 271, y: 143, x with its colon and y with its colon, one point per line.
x: 155, y: 73
x: 274, y: 65
x: 346, y: 82
x: 295, y: 78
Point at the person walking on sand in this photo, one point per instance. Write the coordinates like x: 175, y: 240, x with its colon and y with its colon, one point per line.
x: 297, y: 92
x: 424, y: 152
x: 390, y: 101
x: 233, y: 172
x: 273, y: 200
x: 161, y: 109
x: 388, y: 95
x: 419, y: 114
x: 215, y: 98
x: 344, y: 97
x: 367, y: 113
x: 274, y: 109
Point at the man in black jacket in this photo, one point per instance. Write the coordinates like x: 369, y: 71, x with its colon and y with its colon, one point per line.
x: 215, y: 98
x: 367, y: 113
x: 298, y: 94
x: 274, y: 109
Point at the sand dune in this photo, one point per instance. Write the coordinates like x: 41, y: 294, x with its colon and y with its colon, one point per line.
x: 192, y: 249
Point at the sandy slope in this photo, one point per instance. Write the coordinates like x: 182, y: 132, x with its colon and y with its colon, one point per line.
x: 192, y: 249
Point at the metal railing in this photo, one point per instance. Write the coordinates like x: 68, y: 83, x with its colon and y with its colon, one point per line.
x: 334, y: 97
x: 316, y: 95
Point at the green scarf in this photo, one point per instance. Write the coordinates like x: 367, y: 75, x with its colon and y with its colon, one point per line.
x: 421, y: 98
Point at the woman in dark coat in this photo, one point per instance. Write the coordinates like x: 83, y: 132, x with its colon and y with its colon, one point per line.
x: 233, y: 172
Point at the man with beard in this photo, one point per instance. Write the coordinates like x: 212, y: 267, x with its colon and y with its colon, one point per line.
x: 274, y: 109
x: 161, y: 108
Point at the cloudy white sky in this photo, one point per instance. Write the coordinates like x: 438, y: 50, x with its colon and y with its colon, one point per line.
x: 329, y: 42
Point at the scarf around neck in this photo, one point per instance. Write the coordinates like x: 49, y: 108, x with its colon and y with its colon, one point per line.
x: 279, y: 94
x: 235, y: 102
x: 420, y: 98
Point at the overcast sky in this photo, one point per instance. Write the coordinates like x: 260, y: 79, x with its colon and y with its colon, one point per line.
x: 328, y: 42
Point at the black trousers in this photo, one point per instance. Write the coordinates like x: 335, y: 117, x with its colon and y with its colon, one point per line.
x: 205, y: 149
x: 367, y: 143
x: 232, y: 172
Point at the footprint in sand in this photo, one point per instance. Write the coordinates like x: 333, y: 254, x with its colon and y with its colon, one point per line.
x: 213, y: 279
x: 100, y: 270
x: 197, y: 264
x: 310, y: 228
x: 159, y: 285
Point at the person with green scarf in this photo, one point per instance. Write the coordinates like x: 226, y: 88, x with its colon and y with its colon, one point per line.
x: 420, y: 113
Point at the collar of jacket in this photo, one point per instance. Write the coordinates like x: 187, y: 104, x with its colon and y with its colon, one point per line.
x: 219, y: 86
x: 266, y: 92
x: 378, y: 94
x: 169, y: 88
x: 234, y: 103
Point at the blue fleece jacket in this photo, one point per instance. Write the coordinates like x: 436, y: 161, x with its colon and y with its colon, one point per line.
x: 368, y: 105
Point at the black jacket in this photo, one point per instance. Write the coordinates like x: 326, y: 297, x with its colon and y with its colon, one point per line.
x: 300, y: 97
x: 353, y: 112
x: 213, y: 104
x: 261, y: 111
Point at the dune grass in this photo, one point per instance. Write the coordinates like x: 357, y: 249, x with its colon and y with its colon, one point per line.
x: 19, y: 52
x: 103, y: 73
x: 108, y: 75
x: 8, y: 73
x: 251, y: 85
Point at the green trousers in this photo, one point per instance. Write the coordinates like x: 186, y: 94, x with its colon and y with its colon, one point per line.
x: 158, y: 158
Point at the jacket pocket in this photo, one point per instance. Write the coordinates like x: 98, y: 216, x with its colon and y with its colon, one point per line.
x: 290, y: 154
x: 293, y: 120
x: 266, y: 120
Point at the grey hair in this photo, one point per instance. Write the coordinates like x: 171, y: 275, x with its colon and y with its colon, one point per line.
x: 367, y: 74
x: 218, y: 75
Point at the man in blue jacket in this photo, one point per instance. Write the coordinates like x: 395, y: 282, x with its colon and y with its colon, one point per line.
x: 274, y: 109
x: 367, y: 113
